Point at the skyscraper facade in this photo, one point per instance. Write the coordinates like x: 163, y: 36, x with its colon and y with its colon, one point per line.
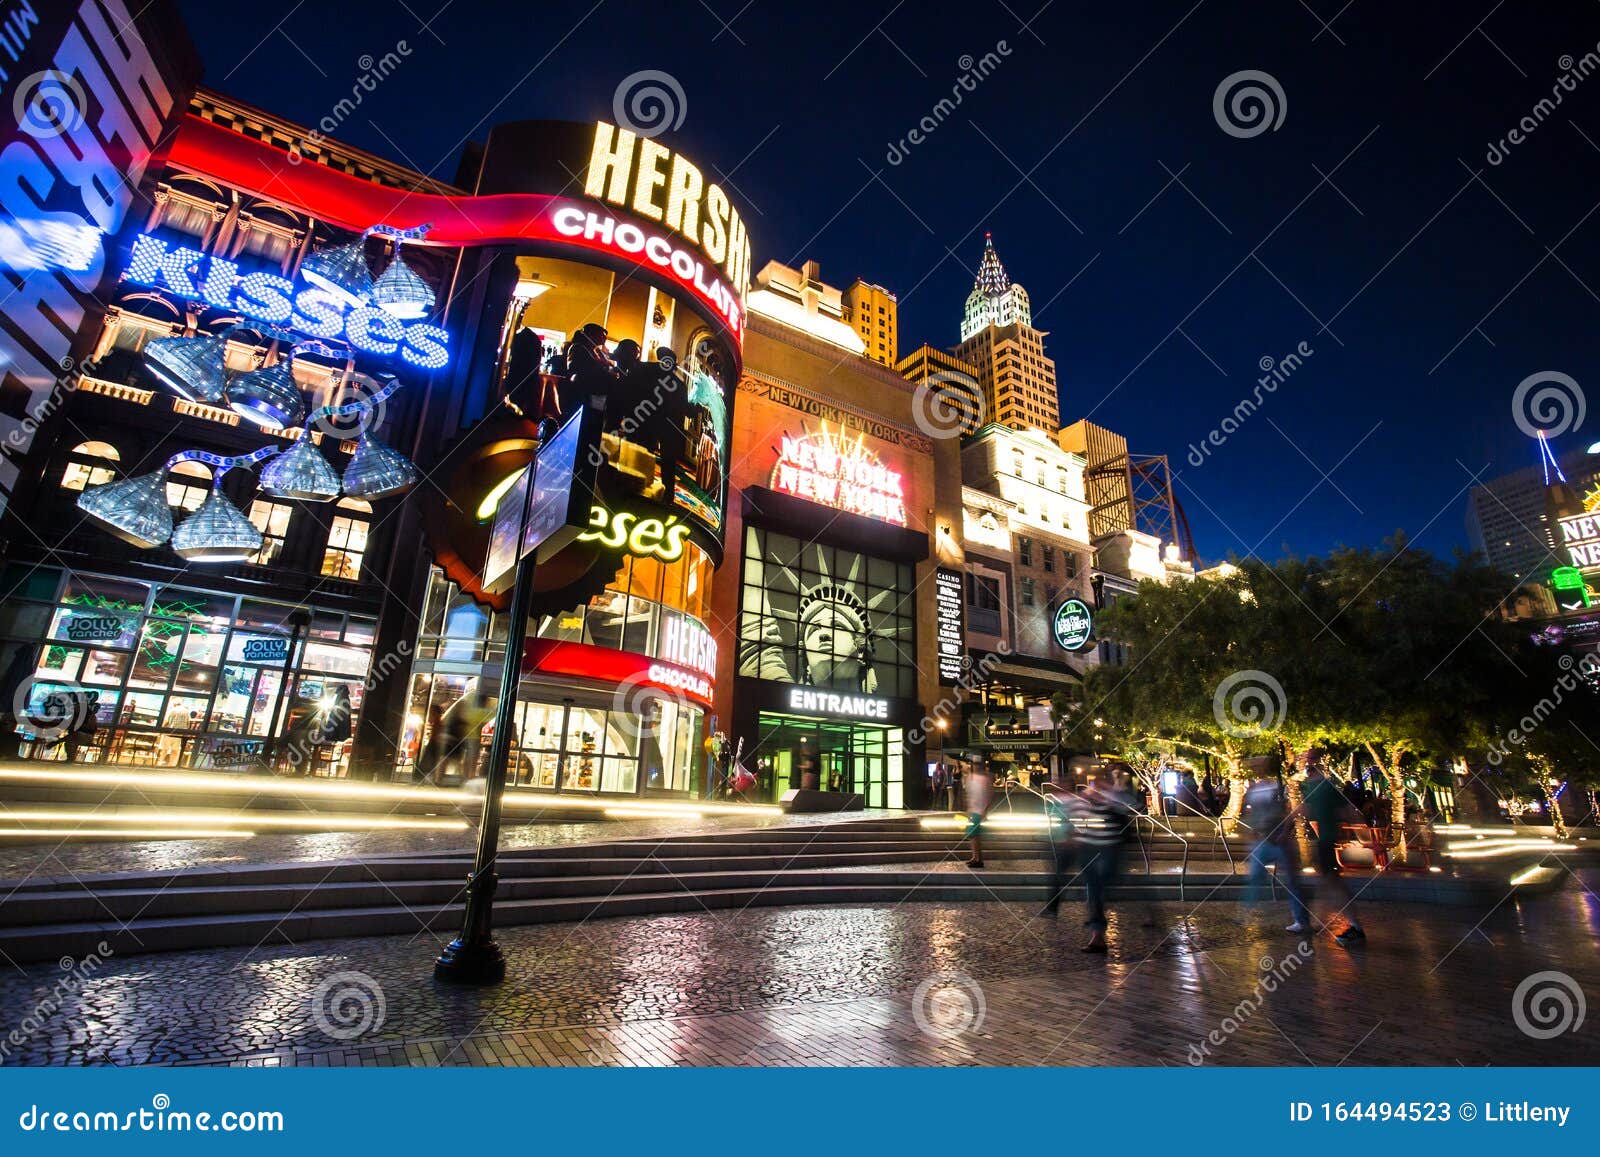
x: 874, y: 312
x: 998, y: 339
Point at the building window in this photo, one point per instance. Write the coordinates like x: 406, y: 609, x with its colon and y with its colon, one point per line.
x: 272, y: 520
x: 189, y: 495
x: 347, y: 540
x: 1027, y: 592
x: 826, y: 617
x: 983, y: 603
x: 1049, y: 559
x: 1070, y: 560
x: 1025, y: 549
x: 84, y: 465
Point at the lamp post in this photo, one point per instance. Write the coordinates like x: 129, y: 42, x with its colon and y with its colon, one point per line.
x: 473, y: 957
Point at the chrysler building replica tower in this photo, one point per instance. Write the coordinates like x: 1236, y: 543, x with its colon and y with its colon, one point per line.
x: 998, y: 338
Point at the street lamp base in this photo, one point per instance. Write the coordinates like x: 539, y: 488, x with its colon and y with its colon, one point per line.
x: 464, y: 963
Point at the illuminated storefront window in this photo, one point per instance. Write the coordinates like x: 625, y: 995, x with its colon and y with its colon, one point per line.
x: 347, y: 539
x: 184, y: 677
x: 667, y: 426
x: 85, y: 467
x: 571, y: 736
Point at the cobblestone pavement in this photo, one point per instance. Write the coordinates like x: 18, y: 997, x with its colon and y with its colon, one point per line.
x: 921, y: 983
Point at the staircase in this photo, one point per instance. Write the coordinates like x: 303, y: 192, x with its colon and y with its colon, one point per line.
x: 877, y: 861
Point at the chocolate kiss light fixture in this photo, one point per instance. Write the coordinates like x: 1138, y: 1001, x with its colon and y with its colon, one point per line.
x: 399, y: 292
x: 268, y: 396
x: 301, y: 473
x: 376, y: 471
x: 194, y: 368
x: 135, y: 509
x: 217, y: 532
x: 341, y: 271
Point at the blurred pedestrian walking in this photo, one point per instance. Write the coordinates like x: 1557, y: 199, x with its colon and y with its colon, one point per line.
x: 1102, y: 820
x: 1326, y: 807
x: 1267, y: 812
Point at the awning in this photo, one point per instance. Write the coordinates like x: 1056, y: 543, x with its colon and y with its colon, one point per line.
x: 1046, y: 676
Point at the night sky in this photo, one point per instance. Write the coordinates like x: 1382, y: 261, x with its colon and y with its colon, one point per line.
x: 1165, y: 257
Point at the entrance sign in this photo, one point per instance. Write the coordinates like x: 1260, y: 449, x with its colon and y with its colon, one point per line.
x: 1072, y: 625
x: 814, y: 702
x: 948, y: 610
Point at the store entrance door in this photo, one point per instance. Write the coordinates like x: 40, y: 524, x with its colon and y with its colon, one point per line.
x: 845, y: 757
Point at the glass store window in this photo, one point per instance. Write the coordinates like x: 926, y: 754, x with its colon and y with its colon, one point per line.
x: 826, y: 617
x: 174, y: 667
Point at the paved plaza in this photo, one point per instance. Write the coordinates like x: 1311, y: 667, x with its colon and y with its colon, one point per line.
x: 918, y: 983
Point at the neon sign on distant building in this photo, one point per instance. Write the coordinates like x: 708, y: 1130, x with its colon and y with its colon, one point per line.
x: 275, y: 300
x: 826, y: 468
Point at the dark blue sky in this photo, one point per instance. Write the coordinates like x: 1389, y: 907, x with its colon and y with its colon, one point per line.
x: 1426, y: 293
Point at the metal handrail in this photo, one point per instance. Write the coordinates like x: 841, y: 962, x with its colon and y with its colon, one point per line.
x: 1183, y: 872
x: 1216, y: 822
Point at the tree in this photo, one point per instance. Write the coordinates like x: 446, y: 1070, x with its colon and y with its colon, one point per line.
x: 1188, y: 644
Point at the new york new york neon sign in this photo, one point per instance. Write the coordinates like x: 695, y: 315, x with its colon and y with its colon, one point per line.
x: 276, y: 300
x: 826, y: 468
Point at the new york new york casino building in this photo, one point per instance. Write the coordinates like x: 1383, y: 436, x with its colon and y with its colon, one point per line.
x: 187, y: 273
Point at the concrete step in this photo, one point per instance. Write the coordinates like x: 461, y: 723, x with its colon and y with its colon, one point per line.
x: 296, y: 926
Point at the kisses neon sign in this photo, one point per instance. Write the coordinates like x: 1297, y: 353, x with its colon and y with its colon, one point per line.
x: 275, y: 300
